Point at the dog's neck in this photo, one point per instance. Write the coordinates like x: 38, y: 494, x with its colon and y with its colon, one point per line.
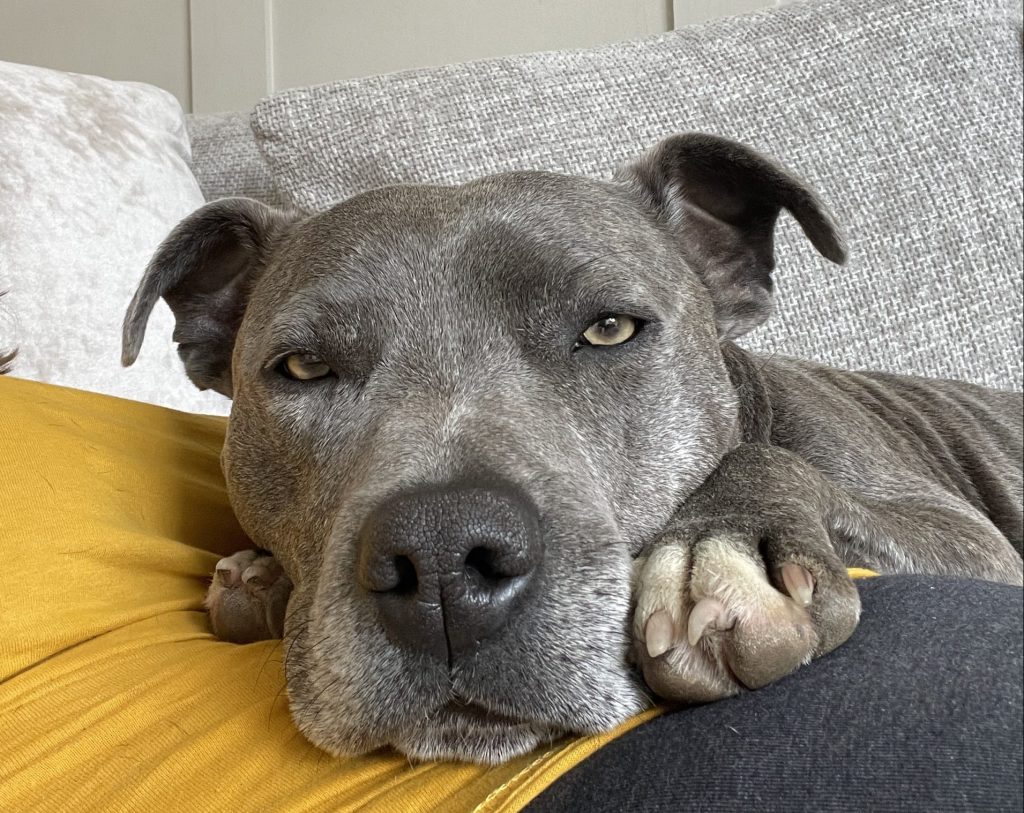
x: 755, y: 406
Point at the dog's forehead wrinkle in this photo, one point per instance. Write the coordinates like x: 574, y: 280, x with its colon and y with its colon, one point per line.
x: 578, y: 223
x: 369, y: 232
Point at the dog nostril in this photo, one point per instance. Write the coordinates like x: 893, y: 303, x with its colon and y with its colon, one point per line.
x: 407, y: 580
x: 480, y: 562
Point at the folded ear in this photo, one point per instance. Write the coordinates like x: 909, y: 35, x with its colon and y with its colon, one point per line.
x: 206, y: 269
x: 721, y: 200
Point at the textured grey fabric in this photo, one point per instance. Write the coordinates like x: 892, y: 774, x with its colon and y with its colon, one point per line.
x: 919, y: 712
x: 905, y: 115
x: 225, y: 159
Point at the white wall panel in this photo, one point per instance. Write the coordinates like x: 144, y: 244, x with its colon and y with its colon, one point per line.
x: 219, y: 55
x: 317, y: 41
x: 688, y: 12
x: 232, y: 53
x: 140, y: 40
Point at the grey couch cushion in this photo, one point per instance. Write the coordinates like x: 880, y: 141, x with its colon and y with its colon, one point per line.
x: 225, y: 159
x: 905, y: 115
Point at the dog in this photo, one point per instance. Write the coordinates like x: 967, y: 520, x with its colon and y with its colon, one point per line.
x: 508, y: 473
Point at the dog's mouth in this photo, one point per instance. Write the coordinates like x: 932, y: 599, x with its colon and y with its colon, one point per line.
x: 467, y: 731
x: 466, y: 711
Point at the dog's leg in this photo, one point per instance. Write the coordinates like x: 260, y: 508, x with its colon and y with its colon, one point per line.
x: 248, y: 597
x: 749, y: 580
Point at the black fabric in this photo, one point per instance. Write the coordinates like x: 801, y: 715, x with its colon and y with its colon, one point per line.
x: 921, y: 710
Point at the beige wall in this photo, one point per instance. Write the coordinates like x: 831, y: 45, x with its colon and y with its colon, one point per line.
x: 225, y: 54
x: 141, y: 40
x: 377, y: 37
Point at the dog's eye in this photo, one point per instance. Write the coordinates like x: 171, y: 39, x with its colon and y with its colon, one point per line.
x: 610, y: 330
x: 304, y: 368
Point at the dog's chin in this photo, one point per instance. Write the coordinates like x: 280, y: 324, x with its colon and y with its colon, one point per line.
x: 469, y: 733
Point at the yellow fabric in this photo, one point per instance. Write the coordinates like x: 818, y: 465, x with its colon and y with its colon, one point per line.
x: 860, y: 573
x: 113, y: 693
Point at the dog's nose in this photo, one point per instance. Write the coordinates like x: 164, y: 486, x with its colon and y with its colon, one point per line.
x: 448, y: 566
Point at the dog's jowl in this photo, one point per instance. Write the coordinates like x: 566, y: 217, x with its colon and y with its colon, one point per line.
x: 505, y: 465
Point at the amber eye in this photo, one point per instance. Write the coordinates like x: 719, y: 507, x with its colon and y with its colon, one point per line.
x: 610, y: 330
x: 304, y: 368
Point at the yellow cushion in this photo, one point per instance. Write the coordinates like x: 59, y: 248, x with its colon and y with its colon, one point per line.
x: 114, y: 695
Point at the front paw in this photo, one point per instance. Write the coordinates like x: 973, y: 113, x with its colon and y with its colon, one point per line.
x: 248, y: 597
x: 719, y: 611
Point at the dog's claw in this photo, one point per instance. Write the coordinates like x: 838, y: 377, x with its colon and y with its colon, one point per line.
x: 228, y: 572
x: 659, y: 633
x: 257, y: 577
x: 799, y: 583
x: 706, y: 612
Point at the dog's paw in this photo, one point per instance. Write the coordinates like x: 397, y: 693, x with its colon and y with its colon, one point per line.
x: 712, y: 617
x: 248, y: 597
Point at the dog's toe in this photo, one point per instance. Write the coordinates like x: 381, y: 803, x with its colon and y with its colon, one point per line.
x: 262, y: 574
x: 229, y: 569
x: 248, y: 597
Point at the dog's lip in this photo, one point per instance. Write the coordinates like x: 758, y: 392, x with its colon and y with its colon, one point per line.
x: 477, y: 713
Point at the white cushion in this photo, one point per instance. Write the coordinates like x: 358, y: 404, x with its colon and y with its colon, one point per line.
x: 93, y: 175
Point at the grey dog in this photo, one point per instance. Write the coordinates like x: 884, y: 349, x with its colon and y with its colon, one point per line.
x: 502, y: 458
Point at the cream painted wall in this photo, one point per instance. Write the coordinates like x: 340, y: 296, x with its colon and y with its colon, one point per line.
x: 277, y: 44
x: 226, y: 54
x: 140, y: 40
x: 687, y: 12
x: 366, y: 38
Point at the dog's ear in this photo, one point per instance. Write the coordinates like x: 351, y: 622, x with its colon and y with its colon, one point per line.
x: 721, y: 200
x: 205, y: 269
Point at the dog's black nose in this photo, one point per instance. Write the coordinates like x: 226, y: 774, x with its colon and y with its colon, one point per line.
x: 448, y: 565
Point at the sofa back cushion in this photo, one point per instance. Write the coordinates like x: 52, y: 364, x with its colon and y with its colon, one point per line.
x: 226, y: 161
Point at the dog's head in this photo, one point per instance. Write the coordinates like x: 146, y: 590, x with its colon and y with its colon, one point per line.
x: 460, y: 412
